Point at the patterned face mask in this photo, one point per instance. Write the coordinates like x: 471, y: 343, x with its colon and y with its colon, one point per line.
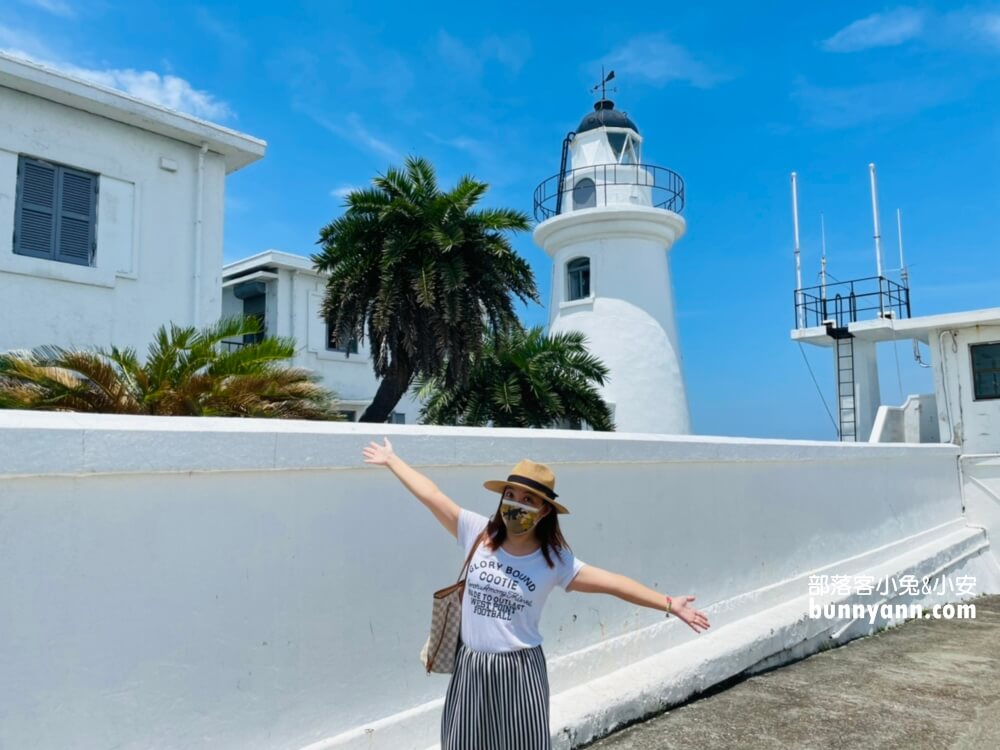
x: 519, y: 518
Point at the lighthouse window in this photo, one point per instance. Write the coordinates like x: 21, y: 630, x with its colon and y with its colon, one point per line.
x: 617, y: 143
x: 985, y: 370
x: 625, y: 149
x: 578, y: 276
x: 584, y: 194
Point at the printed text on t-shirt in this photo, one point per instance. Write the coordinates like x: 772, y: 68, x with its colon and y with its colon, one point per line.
x: 494, y: 589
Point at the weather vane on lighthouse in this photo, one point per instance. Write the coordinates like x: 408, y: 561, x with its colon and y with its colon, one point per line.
x: 603, y: 85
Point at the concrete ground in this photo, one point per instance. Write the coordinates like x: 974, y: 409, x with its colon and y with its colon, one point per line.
x: 926, y: 684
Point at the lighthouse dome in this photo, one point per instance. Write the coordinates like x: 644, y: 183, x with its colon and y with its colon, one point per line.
x: 605, y: 116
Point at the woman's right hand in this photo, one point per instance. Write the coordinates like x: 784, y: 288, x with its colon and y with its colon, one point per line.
x: 378, y: 454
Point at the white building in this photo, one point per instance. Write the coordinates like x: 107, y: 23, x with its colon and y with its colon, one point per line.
x: 286, y: 293
x: 851, y: 318
x: 111, y: 212
x: 608, y: 220
x: 965, y: 363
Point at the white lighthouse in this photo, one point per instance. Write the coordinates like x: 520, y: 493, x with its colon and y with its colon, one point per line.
x: 608, y: 221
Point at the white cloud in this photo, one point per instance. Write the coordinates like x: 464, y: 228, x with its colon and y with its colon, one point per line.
x: 236, y: 205
x: 353, y: 129
x: 165, y: 90
x: 468, y: 60
x: 306, y: 78
x: 225, y: 32
x: 887, y: 29
x: 343, y: 191
x: 512, y: 51
x: 990, y: 25
x: 56, y: 7
x: 24, y: 44
x: 469, y: 145
x: 972, y: 29
x: 654, y: 58
x: 168, y: 90
x: 849, y: 106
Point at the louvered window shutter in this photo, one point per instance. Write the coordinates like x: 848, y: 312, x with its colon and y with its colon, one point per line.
x: 35, y: 220
x: 76, y: 220
x: 56, y: 214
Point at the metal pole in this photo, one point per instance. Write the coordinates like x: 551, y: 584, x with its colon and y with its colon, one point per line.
x: 800, y: 323
x: 822, y: 261
x: 878, y: 237
x: 899, y: 231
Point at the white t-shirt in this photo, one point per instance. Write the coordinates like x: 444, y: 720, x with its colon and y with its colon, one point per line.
x: 505, y: 593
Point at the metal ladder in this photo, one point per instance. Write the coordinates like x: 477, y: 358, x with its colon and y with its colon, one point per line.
x: 562, y: 170
x: 844, y: 341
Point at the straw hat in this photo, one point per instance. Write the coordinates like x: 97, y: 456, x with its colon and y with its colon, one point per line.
x: 532, y: 476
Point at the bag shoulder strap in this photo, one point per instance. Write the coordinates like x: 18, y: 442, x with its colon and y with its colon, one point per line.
x: 471, y: 553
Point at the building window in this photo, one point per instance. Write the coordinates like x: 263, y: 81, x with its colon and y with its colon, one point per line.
x: 254, y: 296
x: 349, y: 414
x: 584, y: 194
x: 397, y: 417
x: 55, y: 215
x: 255, y: 307
x: 578, y: 277
x: 351, y: 347
x: 985, y: 370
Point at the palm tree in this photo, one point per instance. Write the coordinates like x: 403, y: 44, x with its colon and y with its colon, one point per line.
x: 421, y: 269
x: 523, y: 379
x: 186, y: 373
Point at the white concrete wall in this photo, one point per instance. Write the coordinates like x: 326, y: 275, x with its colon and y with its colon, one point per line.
x: 294, y: 302
x: 144, y: 270
x: 981, y: 493
x: 972, y: 424
x: 225, y: 583
x: 913, y: 422
x: 866, y: 399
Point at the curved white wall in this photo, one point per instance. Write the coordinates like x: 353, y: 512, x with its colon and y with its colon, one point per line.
x: 226, y: 583
x: 629, y: 317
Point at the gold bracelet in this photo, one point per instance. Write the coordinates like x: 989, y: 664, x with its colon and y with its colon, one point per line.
x: 670, y: 603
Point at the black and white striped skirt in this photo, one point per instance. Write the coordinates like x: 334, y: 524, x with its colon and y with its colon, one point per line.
x: 497, y: 701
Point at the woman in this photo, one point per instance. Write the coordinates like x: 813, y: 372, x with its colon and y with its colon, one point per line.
x: 498, y: 696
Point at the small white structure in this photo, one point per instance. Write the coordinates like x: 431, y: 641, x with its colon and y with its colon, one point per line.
x: 111, y: 212
x: 607, y: 221
x: 852, y: 317
x: 965, y: 360
x: 286, y: 292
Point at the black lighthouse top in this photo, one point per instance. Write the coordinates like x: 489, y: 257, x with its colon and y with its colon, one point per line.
x: 605, y: 116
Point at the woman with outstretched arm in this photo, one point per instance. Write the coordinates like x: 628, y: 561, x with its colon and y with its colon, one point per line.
x: 498, y: 696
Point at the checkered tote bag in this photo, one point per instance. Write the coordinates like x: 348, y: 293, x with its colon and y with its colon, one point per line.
x: 438, y: 653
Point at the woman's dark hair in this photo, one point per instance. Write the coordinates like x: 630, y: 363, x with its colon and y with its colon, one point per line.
x: 547, y: 531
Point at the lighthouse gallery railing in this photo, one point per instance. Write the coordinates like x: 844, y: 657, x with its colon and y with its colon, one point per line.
x: 664, y: 187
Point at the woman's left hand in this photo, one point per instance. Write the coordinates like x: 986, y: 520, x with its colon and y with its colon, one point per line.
x: 681, y: 608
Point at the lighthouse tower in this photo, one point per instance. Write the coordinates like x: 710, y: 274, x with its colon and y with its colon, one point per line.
x: 608, y: 221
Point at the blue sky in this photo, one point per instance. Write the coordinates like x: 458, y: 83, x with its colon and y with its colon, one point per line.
x: 731, y: 96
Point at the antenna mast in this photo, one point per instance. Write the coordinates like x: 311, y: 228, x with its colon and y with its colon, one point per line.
x: 904, y: 276
x: 800, y: 312
x: 822, y: 262
x: 878, y: 237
